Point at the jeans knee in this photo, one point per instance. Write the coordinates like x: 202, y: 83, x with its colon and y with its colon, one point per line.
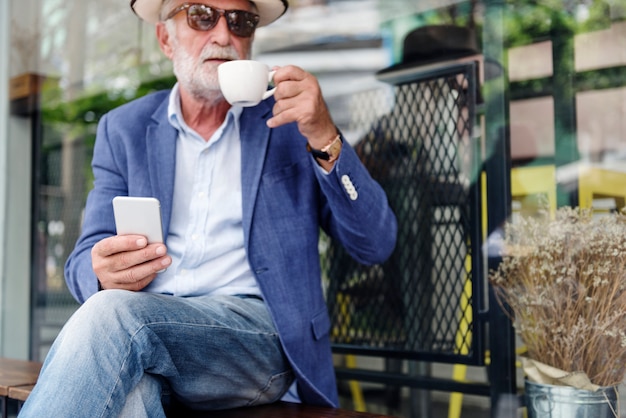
x: 113, y: 300
x: 106, y: 310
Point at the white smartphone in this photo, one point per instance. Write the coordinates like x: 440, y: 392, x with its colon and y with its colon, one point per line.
x: 138, y: 215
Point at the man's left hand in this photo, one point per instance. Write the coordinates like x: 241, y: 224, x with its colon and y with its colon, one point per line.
x: 299, y: 99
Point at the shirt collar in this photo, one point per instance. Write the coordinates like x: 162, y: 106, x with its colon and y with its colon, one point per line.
x: 175, y: 113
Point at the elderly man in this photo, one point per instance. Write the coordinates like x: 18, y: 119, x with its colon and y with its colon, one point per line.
x: 229, y: 311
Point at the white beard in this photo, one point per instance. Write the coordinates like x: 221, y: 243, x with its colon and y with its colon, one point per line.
x: 196, y: 76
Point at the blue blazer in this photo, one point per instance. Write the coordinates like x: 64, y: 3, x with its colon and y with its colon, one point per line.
x: 286, y: 200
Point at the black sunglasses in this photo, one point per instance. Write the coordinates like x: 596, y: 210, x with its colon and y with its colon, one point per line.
x: 203, y: 17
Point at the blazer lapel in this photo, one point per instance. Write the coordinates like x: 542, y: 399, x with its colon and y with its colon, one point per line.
x: 254, y: 143
x: 161, y: 150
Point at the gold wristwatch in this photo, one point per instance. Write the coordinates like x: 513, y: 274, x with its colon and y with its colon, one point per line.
x: 330, y: 152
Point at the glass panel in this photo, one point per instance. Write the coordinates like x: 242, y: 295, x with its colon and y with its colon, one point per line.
x: 565, y: 64
x: 91, y: 56
x: 564, y: 67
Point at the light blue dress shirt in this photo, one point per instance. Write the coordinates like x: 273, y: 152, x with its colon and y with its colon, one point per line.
x: 205, y: 238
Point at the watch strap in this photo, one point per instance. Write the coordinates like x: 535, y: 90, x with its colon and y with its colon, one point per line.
x: 329, y: 152
x: 322, y: 155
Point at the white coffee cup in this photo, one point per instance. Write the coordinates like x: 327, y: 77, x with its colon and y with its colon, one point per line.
x: 245, y: 82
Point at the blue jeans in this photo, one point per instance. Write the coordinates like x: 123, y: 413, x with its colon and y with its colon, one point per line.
x: 122, y: 351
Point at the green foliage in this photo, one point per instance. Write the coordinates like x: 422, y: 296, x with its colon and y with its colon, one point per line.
x: 531, y: 21
x: 89, y: 109
x: 526, y: 22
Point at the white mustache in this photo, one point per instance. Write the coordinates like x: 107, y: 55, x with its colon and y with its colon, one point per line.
x: 216, y: 52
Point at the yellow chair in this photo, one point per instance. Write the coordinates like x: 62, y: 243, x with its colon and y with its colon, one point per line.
x: 532, y: 181
x: 358, y: 399
x: 597, y: 182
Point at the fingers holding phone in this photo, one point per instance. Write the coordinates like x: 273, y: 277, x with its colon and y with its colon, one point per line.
x: 132, y: 259
x: 128, y: 261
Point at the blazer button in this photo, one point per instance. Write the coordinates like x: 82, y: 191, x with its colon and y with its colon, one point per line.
x: 349, y: 187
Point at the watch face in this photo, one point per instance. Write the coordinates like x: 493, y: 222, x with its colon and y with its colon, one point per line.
x: 329, y: 152
x: 334, y: 149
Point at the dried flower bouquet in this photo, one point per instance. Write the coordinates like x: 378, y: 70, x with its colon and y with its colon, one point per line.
x: 564, y: 279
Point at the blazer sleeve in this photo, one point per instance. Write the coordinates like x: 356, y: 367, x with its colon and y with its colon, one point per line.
x: 98, y: 222
x: 133, y: 142
x: 357, y: 212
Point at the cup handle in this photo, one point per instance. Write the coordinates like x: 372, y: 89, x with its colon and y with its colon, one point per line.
x: 270, y: 78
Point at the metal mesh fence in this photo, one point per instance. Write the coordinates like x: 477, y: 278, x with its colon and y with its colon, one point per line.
x: 420, y: 301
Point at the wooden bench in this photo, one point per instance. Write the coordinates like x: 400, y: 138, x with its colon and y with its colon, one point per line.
x: 19, y: 394
x: 14, y: 374
x: 275, y: 410
x: 18, y: 377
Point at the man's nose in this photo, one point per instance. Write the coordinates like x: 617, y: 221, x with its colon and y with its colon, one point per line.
x: 220, y: 32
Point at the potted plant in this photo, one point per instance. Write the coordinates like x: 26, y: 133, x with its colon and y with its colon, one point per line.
x: 562, y: 278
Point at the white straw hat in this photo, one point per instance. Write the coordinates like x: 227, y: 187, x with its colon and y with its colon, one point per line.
x: 269, y: 10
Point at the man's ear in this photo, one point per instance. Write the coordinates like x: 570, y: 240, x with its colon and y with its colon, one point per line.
x: 164, y: 39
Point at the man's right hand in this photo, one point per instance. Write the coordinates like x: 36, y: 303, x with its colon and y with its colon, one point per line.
x: 128, y: 262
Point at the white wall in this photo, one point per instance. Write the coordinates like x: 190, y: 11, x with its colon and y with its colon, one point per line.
x: 15, y: 192
x: 4, y: 111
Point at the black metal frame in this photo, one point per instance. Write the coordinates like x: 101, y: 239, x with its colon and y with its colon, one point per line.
x: 485, y: 312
